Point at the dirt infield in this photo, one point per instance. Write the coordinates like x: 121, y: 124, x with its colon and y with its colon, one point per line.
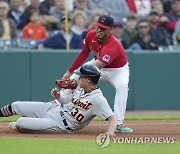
x: 142, y: 129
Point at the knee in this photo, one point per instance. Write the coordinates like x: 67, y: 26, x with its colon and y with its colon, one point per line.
x: 20, y: 122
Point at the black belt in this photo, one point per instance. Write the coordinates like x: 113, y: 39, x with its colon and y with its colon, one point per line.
x: 64, y: 121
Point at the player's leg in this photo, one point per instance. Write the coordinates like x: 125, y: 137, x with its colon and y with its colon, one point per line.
x: 26, y: 124
x: 23, y: 108
x: 6, y: 111
x: 31, y: 109
x: 119, y: 78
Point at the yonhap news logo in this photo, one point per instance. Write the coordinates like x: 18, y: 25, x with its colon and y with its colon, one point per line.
x: 141, y: 140
x: 103, y: 140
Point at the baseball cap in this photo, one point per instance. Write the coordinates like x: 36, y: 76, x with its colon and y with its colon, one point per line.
x: 105, y: 21
x: 87, y: 71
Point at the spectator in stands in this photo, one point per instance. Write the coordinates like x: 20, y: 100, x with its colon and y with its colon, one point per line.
x: 16, y: 13
x: 176, y: 35
x: 70, y: 5
x: 140, y: 7
x: 171, y: 18
x: 58, y: 11
x: 34, y: 30
x: 47, y: 4
x: 117, y: 31
x: 7, y: 26
x: 93, y: 5
x: 143, y: 37
x: 166, y: 5
x: 159, y: 33
x: 78, y: 22
x: 116, y: 8
x: 129, y: 30
x: 58, y: 41
x: 81, y: 5
x: 25, y: 4
x: 46, y: 19
x: 157, y: 6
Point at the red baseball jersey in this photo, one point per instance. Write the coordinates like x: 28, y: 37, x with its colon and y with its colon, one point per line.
x: 111, y: 52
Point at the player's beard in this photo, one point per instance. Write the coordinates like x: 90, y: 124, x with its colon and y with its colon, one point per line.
x: 99, y: 35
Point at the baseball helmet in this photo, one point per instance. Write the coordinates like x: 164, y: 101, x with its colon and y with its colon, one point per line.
x: 89, y: 71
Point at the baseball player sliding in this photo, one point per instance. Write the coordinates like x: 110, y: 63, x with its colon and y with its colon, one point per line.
x: 111, y: 59
x: 66, y: 113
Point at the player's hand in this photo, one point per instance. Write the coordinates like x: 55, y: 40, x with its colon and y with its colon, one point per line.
x: 66, y: 75
x: 55, y: 93
x: 110, y: 134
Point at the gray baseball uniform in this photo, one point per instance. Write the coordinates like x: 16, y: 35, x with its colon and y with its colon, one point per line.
x: 70, y: 116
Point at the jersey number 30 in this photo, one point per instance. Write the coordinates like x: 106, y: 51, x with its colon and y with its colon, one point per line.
x: 78, y: 116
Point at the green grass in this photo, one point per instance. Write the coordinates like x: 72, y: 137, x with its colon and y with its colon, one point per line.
x: 152, y: 116
x: 16, y: 145
x: 9, y: 119
x: 71, y: 146
x: 127, y: 117
x: 149, y: 117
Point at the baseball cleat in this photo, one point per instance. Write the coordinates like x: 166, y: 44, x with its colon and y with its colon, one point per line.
x: 13, y: 126
x: 123, y: 129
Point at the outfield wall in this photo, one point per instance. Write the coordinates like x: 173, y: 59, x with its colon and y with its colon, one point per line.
x: 30, y: 75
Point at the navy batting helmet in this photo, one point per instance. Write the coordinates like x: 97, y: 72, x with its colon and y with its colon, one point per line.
x: 89, y: 71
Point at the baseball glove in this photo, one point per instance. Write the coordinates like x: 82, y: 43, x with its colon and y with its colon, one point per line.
x: 67, y: 83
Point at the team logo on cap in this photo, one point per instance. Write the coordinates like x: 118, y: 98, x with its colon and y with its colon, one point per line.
x: 106, y: 58
x: 103, y: 19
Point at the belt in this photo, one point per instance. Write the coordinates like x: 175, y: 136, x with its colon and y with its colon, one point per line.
x: 64, y: 121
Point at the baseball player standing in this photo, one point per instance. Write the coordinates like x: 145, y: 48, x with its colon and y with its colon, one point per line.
x: 65, y: 113
x: 110, y: 58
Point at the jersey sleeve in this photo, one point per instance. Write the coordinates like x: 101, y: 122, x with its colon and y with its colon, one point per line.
x: 103, y: 109
x: 108, y: 54
x: 80, y: 58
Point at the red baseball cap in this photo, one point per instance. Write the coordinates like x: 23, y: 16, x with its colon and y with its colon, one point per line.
x: 105, y: 21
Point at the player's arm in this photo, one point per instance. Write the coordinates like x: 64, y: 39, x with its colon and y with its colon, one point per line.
x: 63, y: 99
x: 112, y: 125
x: 81, y: 57
x: 80, y: 60
x: 103, y: 110
x: 99, y: 64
